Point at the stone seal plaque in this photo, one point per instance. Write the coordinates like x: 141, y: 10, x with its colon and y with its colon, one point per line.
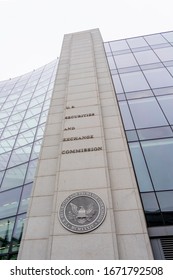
x: 82, y: 212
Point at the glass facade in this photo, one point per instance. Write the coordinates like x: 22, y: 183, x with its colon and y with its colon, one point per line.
x: 142, y: 73
x: 24, y: 104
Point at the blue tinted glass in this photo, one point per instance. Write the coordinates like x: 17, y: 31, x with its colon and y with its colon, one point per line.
x: 134, y: 81
x: 146, y: 57
x: 140, y: 168
x: 166, y: 103
x: 125, y: 60
x: 127, y: 119
x: 165, y: 200
x: 159, y: 157
x: 9, y: 202
x: 147, y: 113
x: 150, y: 202
x: 159, y: 78
x: 119, y: 45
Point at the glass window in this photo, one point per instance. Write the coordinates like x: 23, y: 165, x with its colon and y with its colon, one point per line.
x: 111, y: 62
x: 6, y: 229
x: 119, y: 45
x: 159, y: 77
x: 170, y: 70
x: 155, y: 39
x: 107, y: 47
x: 141, y: 171
x: 25, y: 138
x: 165, y: 200
x: 14, y: 177
x: 166, y: 103
x: 150, y: 202
x: 18, y: 230
x: 25, y: 198
x: 147, y: 113
x: 165, y: 54
x: 127, y: 119
x: 20, y: 155
x: 7, y: 145
x: 139, y: 94
x: 117, y: 84
x: 146, y: 57
x: 125, y: 60
x: 9, y: 202
x: 131, y: 135
x: 168, y: 36
x: 31, y: 171
x: 4, y: 160
x: 134, y: 81
x: 36, y: 149
x: 155, y: 132
x: 159, y: 157
x: 137, y: 42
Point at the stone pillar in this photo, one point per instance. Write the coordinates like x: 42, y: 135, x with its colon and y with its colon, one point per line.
x: 84, y: 154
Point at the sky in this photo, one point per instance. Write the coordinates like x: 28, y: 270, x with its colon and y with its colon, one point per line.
x: 31, y: 31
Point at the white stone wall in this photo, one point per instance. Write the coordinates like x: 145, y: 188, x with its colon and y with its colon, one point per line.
x: 84, y: 104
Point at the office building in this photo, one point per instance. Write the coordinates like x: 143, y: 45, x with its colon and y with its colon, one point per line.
x: 103, y: 186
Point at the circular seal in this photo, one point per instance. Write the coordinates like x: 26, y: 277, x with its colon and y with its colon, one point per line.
x: 82, y: 212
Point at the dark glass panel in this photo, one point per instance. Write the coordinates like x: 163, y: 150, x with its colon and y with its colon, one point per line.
x: 6, y: 229
x: 159, y: 157
x: 17, y: 235
x: 127, y: 119
x: 154, y: 219
x: 147, y: 113
x: 168, y: 218
x: 134, y: 81
x: 141, y: 171
x: 155, y: 132
x: 159, y: 77
x: 165, y: 200
x: 150, y: 202
x: 166, y: 103
x: 9, y: 202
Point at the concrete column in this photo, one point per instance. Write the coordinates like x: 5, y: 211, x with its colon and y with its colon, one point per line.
x: 84, y: 150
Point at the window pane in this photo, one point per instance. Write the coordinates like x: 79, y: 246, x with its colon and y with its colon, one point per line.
x: 165, y: 200
x: 14, y: 177
x: 146, y: 57
x: 159, y: 157
x: 9, y: 202
x: 159, y: 78
x: 166, y: 103
x: 31, y: 171
x: 125, y: 60
x: 17, y: 235
x: 127, y: 119
x: 150, y: 202
x: 137, y: 42
x: 20, y: 155
x: 6, y: 228
x: 25, y: 198
x: 134, y: 81
x: 140, y: 168
x: 117, y: 84
x: 168, y: 36
x: 155, y: 39
x: 119, y: 45
x: 147, y: 113
x: 165, y: 54
x: 154, y: 133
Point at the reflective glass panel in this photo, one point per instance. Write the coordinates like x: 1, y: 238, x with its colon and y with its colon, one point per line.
x: 127, y: 119
x: 146, y: 57
x: 140, y: 168
x: 9, y: 201
x: 155, y: 132
x: 166, y: 103
x: 17, y: 235
x: 165, y: 200
x: 137, y: 42
x: 134, y: 81
x: 168, y: 36
x: 117, y: 84
x: 159, y: 157
x: 119, y: 45
x: 150, y: 202
x: 14, y: 177
x: 165, y: 54
x: 147, y: 113
x: 159, y: 78
x: 155, y: 39
x: 6, y: 228
x: 25, y: 198
x: 125, y: 60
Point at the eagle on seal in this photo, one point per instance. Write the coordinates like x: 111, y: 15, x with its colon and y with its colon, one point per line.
x: 81, y: 214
